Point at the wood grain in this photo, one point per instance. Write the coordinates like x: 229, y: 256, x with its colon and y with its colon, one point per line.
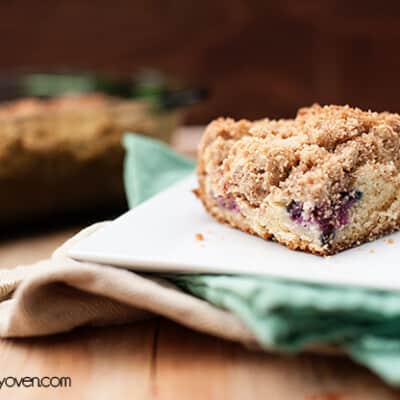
x: 158, y: 359
x: 25, y: 250
x: 190, y: 365
x: 102, y: 363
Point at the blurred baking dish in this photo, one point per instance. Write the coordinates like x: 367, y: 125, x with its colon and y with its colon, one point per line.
x: 64, y: 154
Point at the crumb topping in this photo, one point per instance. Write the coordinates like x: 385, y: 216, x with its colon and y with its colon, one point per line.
x: 310, y: 157
x: 33, y: 106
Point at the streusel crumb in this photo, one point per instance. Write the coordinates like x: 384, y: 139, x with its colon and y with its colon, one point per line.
x: 199, y: 236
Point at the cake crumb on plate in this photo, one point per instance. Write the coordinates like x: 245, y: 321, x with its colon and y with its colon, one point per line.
x: 199, y: 236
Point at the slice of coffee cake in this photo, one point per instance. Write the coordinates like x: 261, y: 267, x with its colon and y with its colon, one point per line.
x: 322, y: 182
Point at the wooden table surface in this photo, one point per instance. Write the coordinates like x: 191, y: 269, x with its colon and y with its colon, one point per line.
x: 157, y: 359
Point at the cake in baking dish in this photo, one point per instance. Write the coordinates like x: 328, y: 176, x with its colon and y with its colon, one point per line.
x: 322, y: 182
x: 63, y: 156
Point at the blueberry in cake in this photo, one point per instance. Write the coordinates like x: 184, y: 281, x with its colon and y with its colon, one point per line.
x: 322, y: 182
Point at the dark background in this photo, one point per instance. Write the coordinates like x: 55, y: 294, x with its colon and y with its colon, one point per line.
x: 260, y: 58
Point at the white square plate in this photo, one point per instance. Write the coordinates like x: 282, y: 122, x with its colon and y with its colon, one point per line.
x: 160, y: 236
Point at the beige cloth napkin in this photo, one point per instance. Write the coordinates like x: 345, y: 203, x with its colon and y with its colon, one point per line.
x: 59, y: 294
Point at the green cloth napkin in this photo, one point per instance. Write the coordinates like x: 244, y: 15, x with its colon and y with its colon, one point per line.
x: 150, y: 167
x: 284, y: 315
